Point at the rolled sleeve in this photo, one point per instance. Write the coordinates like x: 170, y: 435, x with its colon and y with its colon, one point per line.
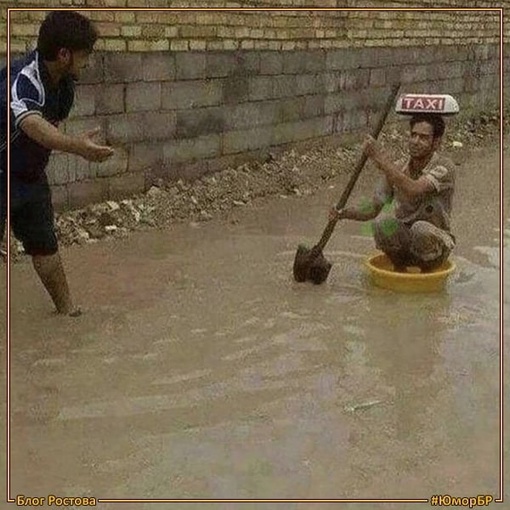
x: 441, y: 177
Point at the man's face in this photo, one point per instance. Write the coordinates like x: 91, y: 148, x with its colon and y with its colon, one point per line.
x: 422, y: 142
x: 73, y: 62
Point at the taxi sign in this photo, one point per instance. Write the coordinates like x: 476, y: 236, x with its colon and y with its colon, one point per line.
x: 442, y: 104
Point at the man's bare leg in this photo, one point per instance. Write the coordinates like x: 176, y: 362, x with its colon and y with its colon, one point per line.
x: 51, y: 272
x: 393, y: 238
x: 399, y: 262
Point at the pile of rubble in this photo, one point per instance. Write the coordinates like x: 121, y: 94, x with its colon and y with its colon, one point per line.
x: 293, y: 173
x: 205, y: 198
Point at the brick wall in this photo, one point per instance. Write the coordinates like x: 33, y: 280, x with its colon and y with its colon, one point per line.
x: 279, y: 30
x: 180, y: 94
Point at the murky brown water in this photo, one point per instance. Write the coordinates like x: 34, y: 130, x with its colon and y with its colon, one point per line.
x: 201, y: 370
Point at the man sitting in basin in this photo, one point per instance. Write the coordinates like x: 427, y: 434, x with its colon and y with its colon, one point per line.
x: 417, y: 233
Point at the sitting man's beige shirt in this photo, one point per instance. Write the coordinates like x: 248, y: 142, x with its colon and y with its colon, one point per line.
x: 435, y: 206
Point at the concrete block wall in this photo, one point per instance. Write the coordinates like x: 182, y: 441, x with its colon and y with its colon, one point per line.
x: 180, y: 94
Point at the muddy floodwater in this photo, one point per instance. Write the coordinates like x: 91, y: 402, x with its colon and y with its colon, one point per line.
x: 201, y: 370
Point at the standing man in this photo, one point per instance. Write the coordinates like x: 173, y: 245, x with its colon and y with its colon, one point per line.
x: 418, y: 232
x: 41, y: 97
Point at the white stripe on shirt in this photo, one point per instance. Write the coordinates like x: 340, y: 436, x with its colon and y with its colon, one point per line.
x: 18, y: 106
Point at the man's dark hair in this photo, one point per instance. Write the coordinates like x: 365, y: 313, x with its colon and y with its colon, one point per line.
x: 435, y: 120
x: 65, y: 29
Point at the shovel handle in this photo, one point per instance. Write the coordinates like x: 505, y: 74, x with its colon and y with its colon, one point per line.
x: 375, y: 133
x: 361, y: 163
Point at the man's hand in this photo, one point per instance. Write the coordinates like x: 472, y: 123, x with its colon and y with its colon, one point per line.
x: 49, y: 136
x: 373, y: 150
x: 90, y: 150
x: 336, y: 215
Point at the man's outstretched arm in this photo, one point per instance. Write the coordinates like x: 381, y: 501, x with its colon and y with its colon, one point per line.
x: 47, y: 135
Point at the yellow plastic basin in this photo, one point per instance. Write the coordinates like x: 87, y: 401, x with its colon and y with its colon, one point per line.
x: 383, y: 275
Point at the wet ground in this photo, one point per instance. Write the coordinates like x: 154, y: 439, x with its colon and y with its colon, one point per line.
x: 201, y: 370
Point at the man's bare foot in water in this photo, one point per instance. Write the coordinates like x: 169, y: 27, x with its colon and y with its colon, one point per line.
x: 51, y: 272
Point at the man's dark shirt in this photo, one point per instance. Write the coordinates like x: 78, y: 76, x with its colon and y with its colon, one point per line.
x: 31, y: 94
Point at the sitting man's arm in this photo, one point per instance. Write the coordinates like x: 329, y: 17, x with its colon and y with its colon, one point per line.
x: 368, y: 209
x: 410, y: 187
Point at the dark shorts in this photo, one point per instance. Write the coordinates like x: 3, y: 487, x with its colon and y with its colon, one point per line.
x: 32, y: 216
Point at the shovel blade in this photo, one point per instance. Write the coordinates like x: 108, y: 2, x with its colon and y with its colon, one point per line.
x: 310, y: 267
